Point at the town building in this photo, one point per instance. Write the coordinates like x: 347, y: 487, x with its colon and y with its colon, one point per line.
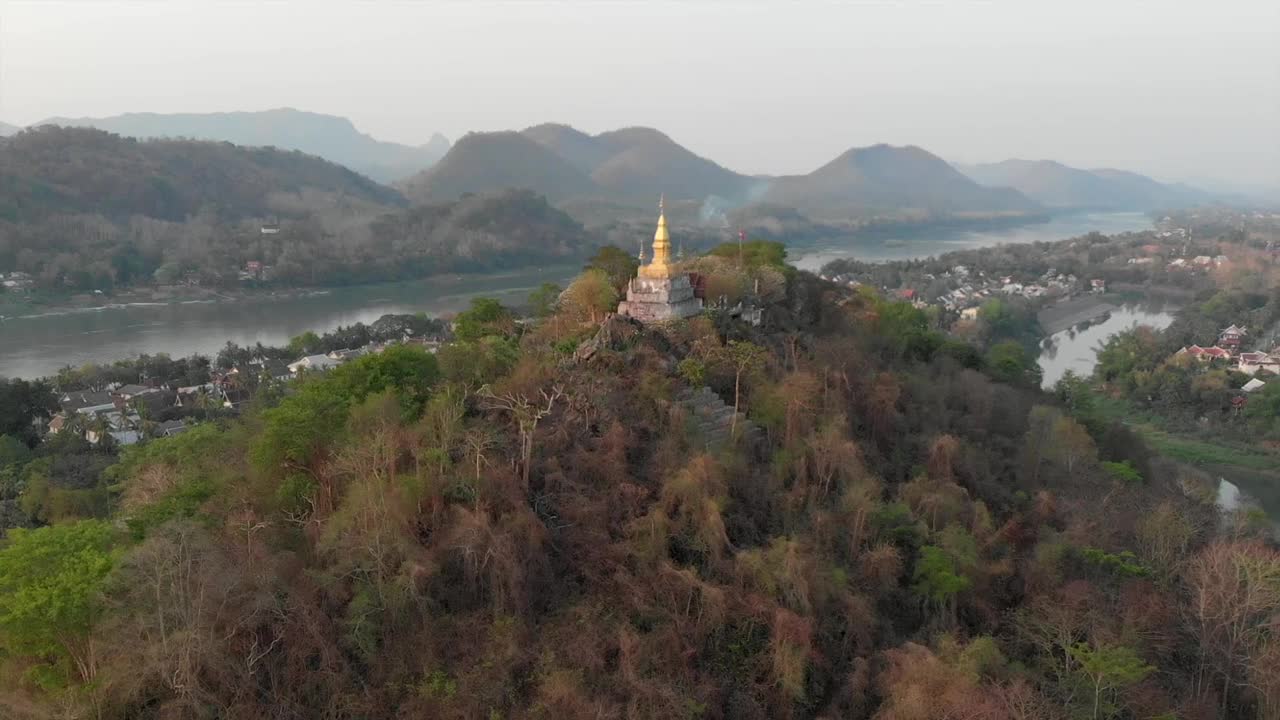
x: 313, y: 362
x: 657, y: 293
x: 87, y: 402
x: 1232, y: 336
x: 1251, y: 363
x: 1204, y: 354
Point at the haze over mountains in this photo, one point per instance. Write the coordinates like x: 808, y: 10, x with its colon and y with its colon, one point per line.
x: 50, y: 171
x: 882, y: 178
x: 611, y: 174
x: 6, y: 129
x: 83, y: 209
x: 328, y: 136
x: 1058, y: 186
x: 635, y: 165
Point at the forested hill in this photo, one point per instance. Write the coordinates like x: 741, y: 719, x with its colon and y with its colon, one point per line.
x: 328, y: 136
x: 566, y: 518
x: 485, y: 162
x: 82, y: 209
x: 53, y: 170
x: 638, y: 163
x: 885, y: 179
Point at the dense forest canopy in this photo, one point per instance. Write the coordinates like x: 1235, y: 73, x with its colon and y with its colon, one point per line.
x: 566, y: 518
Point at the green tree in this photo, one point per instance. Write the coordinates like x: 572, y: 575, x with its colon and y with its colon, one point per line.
x: 938, y: 579
x: 21, y: 402
x: 741, y: 359
x: 479, y: 362
x: 1008, y: 320
x: 485, y: 317
x: 50, y: 586
x: 905, y: 329
x: 12, y: 451
x: 754, y: 253
x: 617, y: 265
x: 1126, y: 352
x: 1009, y: 362
x: 1081, y: 400
x: 307, y: 342
x: 1109, y: 668
x: 590, y: 296
x: 542, y: 302
x: 298, y: 430
x: 1263, y: 408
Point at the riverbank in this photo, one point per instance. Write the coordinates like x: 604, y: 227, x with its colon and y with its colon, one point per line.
x: 1254, y: 468
x: 39, y: 344
x: 1069, y: 313
x: 28, y: 306
x: 907, y: 243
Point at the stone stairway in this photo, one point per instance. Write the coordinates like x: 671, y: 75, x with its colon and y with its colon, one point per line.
x: 713, y: 418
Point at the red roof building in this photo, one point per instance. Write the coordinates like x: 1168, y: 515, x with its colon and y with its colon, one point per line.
x: 1206, y: 354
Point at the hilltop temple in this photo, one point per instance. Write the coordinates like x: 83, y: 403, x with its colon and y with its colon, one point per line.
x: 655, y: 294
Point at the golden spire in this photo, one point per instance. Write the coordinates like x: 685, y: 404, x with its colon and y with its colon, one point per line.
x: 658, y: 268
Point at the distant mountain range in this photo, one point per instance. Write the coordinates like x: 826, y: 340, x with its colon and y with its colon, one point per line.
x: 51, y: 171
x: 6, y: 129
x: 620, y: 173
x: 1059, y: 186
x: 634, y: 165
x: 330, y: 137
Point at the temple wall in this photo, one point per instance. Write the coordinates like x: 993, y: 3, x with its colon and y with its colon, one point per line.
x: 658, y: 299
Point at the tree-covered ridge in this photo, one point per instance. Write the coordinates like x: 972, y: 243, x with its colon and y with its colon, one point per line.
x: 331, y: 241
x: 331, y: 137
x: 535, y: 522
x: 53, y: 170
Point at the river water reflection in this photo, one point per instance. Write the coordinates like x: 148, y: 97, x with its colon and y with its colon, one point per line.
x: 1075, y: 349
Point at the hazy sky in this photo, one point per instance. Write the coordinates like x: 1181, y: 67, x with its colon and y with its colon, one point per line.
x: 1182, y: 89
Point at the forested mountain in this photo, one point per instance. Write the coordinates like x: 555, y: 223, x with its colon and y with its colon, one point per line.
x: 328, y: 136
x: 1056, y: 185
x: 52, y: 170
x: 579, y: 149
x: 6, y: 129
x: 888, y: 179
x: 484, y: 162
x: 638, y: 163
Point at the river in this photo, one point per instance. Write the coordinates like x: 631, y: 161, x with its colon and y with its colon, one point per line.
x: 39, y: 345
x: 1075, y: 348
x: 912, y: 246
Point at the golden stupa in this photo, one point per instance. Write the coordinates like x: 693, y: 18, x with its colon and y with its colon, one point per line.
x: 655, y: 295
x: 660, y: 266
